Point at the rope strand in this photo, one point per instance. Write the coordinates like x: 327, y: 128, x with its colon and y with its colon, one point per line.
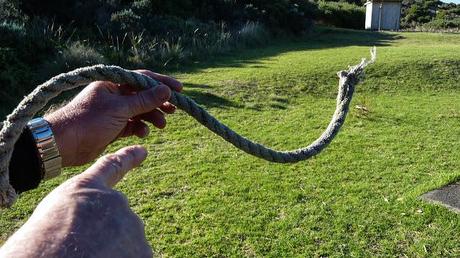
x: 35, y: 101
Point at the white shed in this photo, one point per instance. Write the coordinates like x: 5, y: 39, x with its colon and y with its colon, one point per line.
x: 383, y: 14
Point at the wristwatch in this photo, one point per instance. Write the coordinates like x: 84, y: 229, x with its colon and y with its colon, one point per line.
x: 51, y: 161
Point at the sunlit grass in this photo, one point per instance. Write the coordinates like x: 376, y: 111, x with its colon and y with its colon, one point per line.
x: 199, y: 196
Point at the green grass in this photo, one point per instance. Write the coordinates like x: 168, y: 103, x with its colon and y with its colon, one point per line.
x: 199, y: 196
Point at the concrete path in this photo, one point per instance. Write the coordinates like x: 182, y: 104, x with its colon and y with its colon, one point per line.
x: 448, y: 196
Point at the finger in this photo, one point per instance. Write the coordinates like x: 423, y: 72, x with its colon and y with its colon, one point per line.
x: 111, y: 168
x: 169, y: 81
x: 156, y: 117
x: 168, y: 108
x: 135, y: 127
x: 147, y: 100
x: 141, y: 129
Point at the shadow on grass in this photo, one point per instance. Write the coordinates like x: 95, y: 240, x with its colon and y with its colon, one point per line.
x: 207, y: 99
x: 319, y: 38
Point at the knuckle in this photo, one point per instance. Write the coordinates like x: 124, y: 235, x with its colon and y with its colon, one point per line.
x: 113, y: 161
x: 96, y: 86
x: 120, y: 198
x: 111, y: 158
x: 76, y: 183
x: 144, y: 101
x: 129, y: 154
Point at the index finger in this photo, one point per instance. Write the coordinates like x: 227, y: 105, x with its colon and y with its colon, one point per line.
x: 110, y: 169
x: 174, y: 84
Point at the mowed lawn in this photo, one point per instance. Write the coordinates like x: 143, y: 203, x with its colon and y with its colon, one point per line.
x: 199, y: 196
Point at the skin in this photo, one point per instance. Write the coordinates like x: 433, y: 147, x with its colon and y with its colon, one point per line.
x: 85, y: 217
x: 104, y: 112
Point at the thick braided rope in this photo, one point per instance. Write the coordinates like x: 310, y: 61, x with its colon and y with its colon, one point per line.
x: 34, y: 102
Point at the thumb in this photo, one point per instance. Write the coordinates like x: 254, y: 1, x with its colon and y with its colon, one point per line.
x: 147, y: 100
x: 111, y: 168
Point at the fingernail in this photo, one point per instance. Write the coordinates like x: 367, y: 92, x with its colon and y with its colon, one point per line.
x: 140, y: 152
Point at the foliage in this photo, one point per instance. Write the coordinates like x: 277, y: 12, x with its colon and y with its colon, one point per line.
x: 421, y: 11
x: 252, y: 34
x: 278, y: 15
x: 82, y: 13
x: 440, y: 24
x: 430, y: 15
x: 9, y: 11
x: 76, y: 54
x: 48, y: 37
x: 12, y: 33
x: 341, y: 14
x: 23, y: 49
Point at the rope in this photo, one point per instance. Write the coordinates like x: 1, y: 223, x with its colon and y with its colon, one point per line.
x: 35, y: 101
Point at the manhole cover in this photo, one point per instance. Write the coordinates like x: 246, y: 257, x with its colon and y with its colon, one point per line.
x: 448, y: 196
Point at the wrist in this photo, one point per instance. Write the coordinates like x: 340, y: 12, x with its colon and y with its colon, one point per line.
x: 63, y: 137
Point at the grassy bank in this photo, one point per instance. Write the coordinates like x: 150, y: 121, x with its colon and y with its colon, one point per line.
x: 198, y: 196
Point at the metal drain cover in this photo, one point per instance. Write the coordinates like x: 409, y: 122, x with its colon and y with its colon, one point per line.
x: 448, y: 196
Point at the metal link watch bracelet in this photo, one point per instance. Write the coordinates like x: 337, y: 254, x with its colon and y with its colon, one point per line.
x: 47, y: 148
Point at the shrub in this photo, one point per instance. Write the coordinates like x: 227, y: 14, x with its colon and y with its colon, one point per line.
x: 76, y: 55
x: 438, y: 25
x: 126, y: 21
x: 206, y: 40
x: 252, y: 34
x: 419, y: 11
x: 278, y: 15
x: 82, y: 13
x: 341, y: 14
x: 430, y: 15
x: 171, y: 52
x: 24, y: 47
x: 281, y: 16
x: 33, y: 42
x: 9, y: 10
x: 287, y: 15
x: 15, y: 78
x: 13, y: 34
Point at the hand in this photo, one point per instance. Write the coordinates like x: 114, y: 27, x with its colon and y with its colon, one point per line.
x: 104, y: 112
x: 84, y: 217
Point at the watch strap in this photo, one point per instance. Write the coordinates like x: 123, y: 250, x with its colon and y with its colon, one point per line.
x: 47, y: 147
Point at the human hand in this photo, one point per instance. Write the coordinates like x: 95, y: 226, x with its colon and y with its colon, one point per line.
x: 104, y: 112
x: 84, y: 217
